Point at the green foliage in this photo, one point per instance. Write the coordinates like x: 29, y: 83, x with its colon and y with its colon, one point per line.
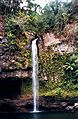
x: 26, y: 88
x: 59, y: 24
x: 9, y: 6
x: 31, y: 7
x: 58, y: 73
x: 71, y: 68
x: 17, y: 41
x: 54, y: 16
x: 51, y: 65
x: 59, y: 90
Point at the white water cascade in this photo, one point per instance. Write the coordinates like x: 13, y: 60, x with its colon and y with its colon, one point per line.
x: 34, y: 76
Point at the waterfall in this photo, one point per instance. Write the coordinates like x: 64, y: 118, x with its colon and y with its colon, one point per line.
x: 35, y: 84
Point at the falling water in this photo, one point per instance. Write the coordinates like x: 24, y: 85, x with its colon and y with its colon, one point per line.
x: 34, y: 75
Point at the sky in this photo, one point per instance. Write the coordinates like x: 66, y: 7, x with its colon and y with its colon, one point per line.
x: 43, y: 2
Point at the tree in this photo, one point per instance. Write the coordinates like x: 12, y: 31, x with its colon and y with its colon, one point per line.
x: 31, y: 7
x: 71, y: 68
x: 7, y: 7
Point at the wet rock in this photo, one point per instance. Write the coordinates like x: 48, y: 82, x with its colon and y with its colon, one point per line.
x: 76, y: 104
x: 22, y: 109
x: 63, y: 104
x: 70, y: 108
x: 7, y: 106
x: 24, y: 104
x: 21, y: 102
x: 29, y: 106
x: 56, y: 107
x: 4, y: 41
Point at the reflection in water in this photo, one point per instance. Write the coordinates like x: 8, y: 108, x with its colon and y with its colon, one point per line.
x: 45, y: 115
x: 36, y: 116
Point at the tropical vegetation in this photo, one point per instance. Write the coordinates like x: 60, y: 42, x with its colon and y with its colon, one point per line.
x: 57, y: 72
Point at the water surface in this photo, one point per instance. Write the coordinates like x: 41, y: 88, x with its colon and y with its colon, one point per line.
x: 43, y: 115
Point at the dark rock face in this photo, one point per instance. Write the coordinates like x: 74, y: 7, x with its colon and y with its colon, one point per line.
x: 10, y: 87
x: 54, y: 104
x: 11, y: 60
x: 14, y: 73
x: 7, y: 64
x: 25, y: 104
x: 7, y: 106
x: 13, y: 87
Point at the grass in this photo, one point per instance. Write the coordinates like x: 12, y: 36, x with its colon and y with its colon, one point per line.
x: 60, y: 93
x: 57, y: 89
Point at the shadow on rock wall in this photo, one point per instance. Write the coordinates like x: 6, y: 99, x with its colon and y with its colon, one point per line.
x: 10, y: 87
